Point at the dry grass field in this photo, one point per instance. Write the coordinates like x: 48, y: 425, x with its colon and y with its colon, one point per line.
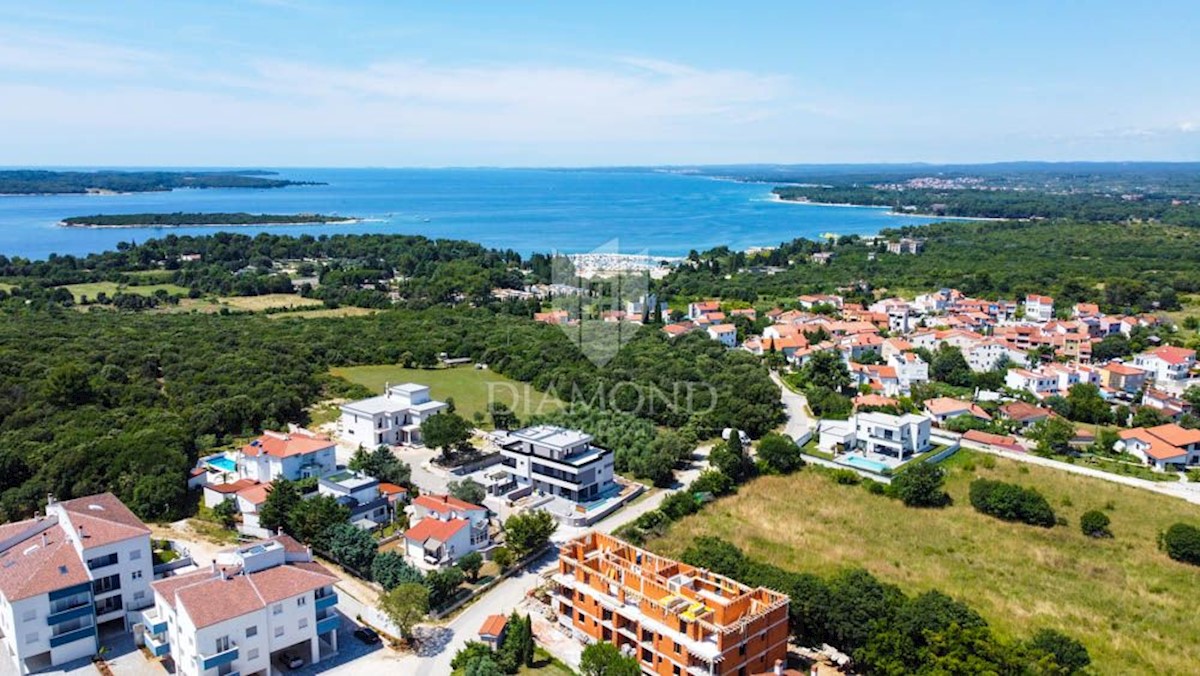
x: 1134, y: 609
x: 270, y: 301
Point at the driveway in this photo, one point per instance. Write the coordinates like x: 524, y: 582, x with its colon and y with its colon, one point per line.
x: 796, y: 406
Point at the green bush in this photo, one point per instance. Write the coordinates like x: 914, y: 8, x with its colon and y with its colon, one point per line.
x: 921, y: 485
x: 1011, y: 502
x: 1094, y: 524
x: 1182, y: 543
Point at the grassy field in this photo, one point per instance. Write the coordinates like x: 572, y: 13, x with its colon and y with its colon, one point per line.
x: 1133, y: 608
x: 545, y: 665
x: 470, y: 387
x: 326, y: 312
x: 93, y: 289
x: 270, y: 301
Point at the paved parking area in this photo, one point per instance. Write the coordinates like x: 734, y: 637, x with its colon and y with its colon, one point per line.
x: 349, y: 650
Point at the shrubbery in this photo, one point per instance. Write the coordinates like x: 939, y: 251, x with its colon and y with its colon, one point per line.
x: 1094, y: 524
x: 1182, y: 543
x: 921, y: 485
x: 1011, y: 503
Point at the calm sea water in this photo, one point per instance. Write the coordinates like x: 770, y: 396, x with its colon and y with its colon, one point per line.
x: 526, y: 210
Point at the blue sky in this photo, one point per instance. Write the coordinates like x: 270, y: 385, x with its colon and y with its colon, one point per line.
x: 308, y: 83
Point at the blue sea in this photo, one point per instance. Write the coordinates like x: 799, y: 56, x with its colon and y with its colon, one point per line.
x: 650, y: 212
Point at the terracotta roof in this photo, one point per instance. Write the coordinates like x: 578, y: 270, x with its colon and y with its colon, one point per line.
x: 874, y: 400
x: 722, y: 328
x: 216, y: 599
x: 1019, y: 410
x: 1122, y: 369
x: 1174, y: 355
x: 435, y: 528
x: 256, y: 494
x: 104, y: 519
x: 290, y: 544
x: 1175, y: 435
x: 444, y: 504
x: 992, y: 439
x: 210, y: 597
x: 30, y: 567
x: 391, y: 489
x: 493, y: 626
x: 280, y: 445
x: 233, y: 487
x: 284, y: 582
x: 944, y: 405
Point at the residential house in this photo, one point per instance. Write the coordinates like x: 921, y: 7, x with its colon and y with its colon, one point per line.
x: 294, y: 455
x: 910, y: 369
x: 942, y: 409
x: 553, y: 317
x: 559, y: 462
x: 1039, y: 308
x: 1164, y: 447
x: 1122, y: 377
x: 393, y: 418
x: 444, y: 529
x: 359, y: 493
x: 1025, y: 415
x: 674, y: 618
x: 493, y: 630
x: 1167, y: 364
x: 85, y: 563
x: 261, y: 601
x: 898, y: 436
x: 906, y: 245
x: 990, y: 353
x: 700, y: 308
x: 999, y: 441
x: 725, y: 334
x: 1168, y: 404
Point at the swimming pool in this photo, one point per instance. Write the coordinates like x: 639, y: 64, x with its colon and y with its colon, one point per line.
x: 222, y: 464
x: 856, y: 460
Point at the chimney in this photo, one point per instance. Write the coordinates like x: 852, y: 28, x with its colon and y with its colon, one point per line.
x: 45, y: 539
x: 82, y: 535
x: 50, y: 499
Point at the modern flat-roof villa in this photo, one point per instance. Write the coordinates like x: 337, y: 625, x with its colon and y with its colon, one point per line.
x: 390, y: 419
x: 674, y: 618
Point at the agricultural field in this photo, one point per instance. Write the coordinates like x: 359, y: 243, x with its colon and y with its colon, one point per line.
x: 93, y: 289
x: 346, y: 311
x: 1134, y: 608
x: 469, y: 387
x: 270, y: 301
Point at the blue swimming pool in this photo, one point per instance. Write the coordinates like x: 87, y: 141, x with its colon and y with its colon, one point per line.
x: 856, y: 460
x: 222, y: 464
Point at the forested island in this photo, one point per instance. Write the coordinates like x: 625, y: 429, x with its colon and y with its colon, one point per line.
x: 41, y: 182
x: 182, y: 219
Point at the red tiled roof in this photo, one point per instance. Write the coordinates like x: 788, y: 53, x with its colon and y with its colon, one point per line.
x: 493, y: 626
x: 391, y: 489
x: 1175, y: 435
x: 234, y: 487
x: 284, y: 582
x: 104, y: 519
x: 256, y: 494
x: 1019, y: 410
x: 435, y: 528
x: 1174, y: 355
x: 992, y: 439
x: 444, y: 504
x: 1122, y: 369
x: 209, y: 597
x: 31, y: 568
x: 281, y: 445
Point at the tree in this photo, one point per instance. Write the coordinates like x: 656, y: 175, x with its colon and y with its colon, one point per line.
x: 226, y: 512
x: 1068, y: 653
x: 445, y: 431
x: 1085, y: 404
x: 1182, y: 543
x: 714, y: 482
x: 949, y: 366
x: 405, y: 606
x: 731, y: 459
x: 473, y: 650
x: 679, y: 504
x: 1094, y: 524
x: 1052, y: 434
x: 469, y: 564
x: 154, y: 496
x: 921, y: 484
x: 467, y: 490
x: 605, y: 659
x: 529, y: 531
x: 825, y: 368
x: 282, y: 498
x: 443, y: 585
x: 1148, y: 416
x: 503, y: 417
x: 1011, y: 502
x: 311, y: 520
x: 518, y: 647
x: 503, y: 557
x: 390, y: 570
x: 353, y: 547
x: 780, y: 453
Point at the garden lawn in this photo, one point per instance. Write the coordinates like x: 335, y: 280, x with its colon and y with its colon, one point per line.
x: 1134, y: 608
x: 470, y: 388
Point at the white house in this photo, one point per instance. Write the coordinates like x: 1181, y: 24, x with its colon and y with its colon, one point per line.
x: 263, y: 600
x: 294, y: 455
x: 360, y: 494
x: 559, y: 462
x: 1167, y: 364
x: 990, y: 353
x: 85, y: 563
x: 910, y: 369
x: 1164, y: 447
x: 444, y: 529
x: 1039, y: 308
x: 1038, y: 383
x: 725, y: 334
x: 896, y: 436
x: 392, y: 418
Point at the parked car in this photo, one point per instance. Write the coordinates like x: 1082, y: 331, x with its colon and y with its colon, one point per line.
x: 293, y: 661
x: 366, y: 635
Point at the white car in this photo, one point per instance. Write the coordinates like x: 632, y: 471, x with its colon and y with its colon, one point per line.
x: 293, y: 661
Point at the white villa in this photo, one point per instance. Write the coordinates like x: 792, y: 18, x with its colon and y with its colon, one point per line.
x: 258, y: 602
x: 898, y: 437
x: 360, y: 494
x: 392, y: 418
x: 85, y: 563
x: 444, y: 529
x: 1167, y: 364
x: 559, y: 462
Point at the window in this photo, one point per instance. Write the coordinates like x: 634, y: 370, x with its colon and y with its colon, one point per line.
x: 277, y: 609
x: 222, y: 643
x: 278, y: 632
x: 137, y: 575
x: 138, y: 596
x: 102, y: 561
x: 252, y: 654
x: 31, y: 638
x: 302, y: 601
x: 30, y: 615
x: 251, y: 632
x: 135, y: 555
x: 304, y: 623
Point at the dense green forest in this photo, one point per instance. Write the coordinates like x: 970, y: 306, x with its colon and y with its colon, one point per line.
x: 179, y: 218
x: 1123, y: 267
x: 35, y: 182
x: 125, y: 401
x: 1092, y: 207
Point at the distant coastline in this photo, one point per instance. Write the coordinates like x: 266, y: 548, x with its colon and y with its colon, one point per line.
x: 200, y: 220
x: 888, y: 210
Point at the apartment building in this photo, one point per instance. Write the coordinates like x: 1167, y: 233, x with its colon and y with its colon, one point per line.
x: 85, y: 563
x: 559, y: 462
x: 1039, y: 308
x: 392, y: 418
x: 263, y: 601
x: 1167, y: 364
x: 675, y: 618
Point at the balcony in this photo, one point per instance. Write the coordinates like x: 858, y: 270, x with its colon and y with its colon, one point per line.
x: 327, y: 601
x: 154, y: 622
x: 217, y: 659
x: 329, y: 624
x: 81, y: 610
x: 73, y: 636
x: 159, y: 647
